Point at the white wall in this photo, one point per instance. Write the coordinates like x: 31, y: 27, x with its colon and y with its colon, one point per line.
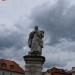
x: 47, y: 73
x: 9, y: 73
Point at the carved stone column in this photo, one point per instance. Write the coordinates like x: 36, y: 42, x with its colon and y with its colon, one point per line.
x: 34, y: 64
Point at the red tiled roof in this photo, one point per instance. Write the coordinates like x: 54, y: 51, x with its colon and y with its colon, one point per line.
x: 54, y: 69
x: 16, y: 68
x: 59, y: 71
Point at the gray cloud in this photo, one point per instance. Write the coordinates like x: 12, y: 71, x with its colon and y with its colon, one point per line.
x: 60, y: 55
x: 57, y: 20
x: 15, y: 36
x: 11, y: 38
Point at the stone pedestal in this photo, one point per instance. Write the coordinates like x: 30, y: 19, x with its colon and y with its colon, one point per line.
x: 34, y: 64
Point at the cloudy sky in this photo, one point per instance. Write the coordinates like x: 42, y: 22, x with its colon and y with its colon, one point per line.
x: 55, y: 17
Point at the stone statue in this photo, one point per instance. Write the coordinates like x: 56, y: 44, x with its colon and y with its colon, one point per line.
x: 35, y: 40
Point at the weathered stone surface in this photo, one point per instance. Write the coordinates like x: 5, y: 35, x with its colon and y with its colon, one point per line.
x: 34, y: 64
x: 34, y: 59
x: 35, y: 41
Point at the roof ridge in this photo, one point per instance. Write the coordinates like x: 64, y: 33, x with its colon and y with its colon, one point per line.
x: 17, y: 67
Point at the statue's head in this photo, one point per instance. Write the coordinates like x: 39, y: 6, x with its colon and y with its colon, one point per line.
x: 36, y: 28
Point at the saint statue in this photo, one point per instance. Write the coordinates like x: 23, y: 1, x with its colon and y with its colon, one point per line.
x: 35, y: 40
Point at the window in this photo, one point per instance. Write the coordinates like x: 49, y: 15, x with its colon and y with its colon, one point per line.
x: 11, y: 66
x: 3, y: 65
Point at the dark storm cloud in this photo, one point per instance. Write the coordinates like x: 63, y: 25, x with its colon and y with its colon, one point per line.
x: 58, y: 20
x: 11, y: 38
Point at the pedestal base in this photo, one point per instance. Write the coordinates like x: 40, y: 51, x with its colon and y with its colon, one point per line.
x: 34, y: 64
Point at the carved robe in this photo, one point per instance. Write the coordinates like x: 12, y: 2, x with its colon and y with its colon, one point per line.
x: 35, y: 41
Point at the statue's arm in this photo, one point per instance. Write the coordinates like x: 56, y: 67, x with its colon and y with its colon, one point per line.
x: 30, y: 39
x: 42, y: 34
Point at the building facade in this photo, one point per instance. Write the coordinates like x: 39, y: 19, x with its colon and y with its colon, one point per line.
x: 56, y: 71
x: 8, y: 67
